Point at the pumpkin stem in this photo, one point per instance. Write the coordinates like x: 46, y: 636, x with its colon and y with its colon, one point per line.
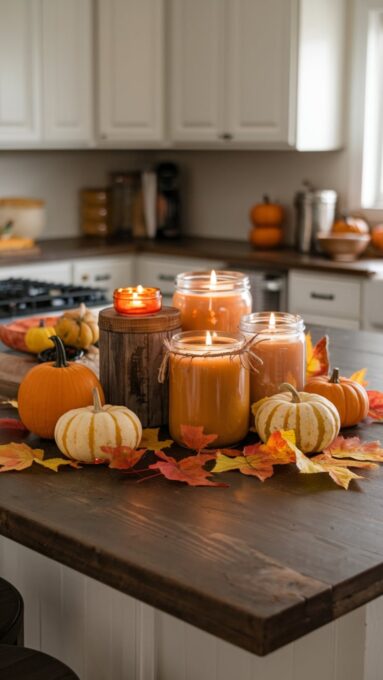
x: 82, y: 310
x: 266, y: 198
x: 334, y: 376
x: 61, y: 361
x: 96, y: 400
x: 286, y: 387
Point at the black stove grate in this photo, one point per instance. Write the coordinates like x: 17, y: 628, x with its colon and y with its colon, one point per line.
x: 19, y: 297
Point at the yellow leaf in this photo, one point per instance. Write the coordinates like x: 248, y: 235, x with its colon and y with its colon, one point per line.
x: 150, y: 440
x: 339, y: 474
x: 226, y: 464
x: 353, y: 447
x: 16, y: 456
x: 54, y: 463
x: 359, y: 377
x: 317, y: 358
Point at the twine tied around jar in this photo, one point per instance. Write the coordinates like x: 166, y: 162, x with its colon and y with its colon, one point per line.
x: 249, y: 360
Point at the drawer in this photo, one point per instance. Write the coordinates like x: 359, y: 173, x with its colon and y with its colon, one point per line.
x: 326, y: 296
x: 161, y: 272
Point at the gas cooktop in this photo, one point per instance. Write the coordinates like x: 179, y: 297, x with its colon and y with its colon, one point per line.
x: 20, y: 297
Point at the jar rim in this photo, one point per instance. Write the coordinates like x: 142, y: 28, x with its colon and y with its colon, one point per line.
x: 182, y: 343
x: 258, y: 322
x: 199, y: 282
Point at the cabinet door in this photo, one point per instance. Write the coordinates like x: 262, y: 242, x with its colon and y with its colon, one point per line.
x: 130, y: 68
x: 20, y: 87
x: 67, y: 75
x: 197, y: 70
x: 261, y: 36
x: 108, y: 273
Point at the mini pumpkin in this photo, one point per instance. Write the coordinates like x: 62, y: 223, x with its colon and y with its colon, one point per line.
x: 51, y: 389
x: 350, y: 225
x: 377, y: 237
x: 37, y: 338
x: 314, y: 418
x: 266, y: 213
x: 349, y: 397
x: 81, y: 432
x: 266, y: 237
x: 78, y: 327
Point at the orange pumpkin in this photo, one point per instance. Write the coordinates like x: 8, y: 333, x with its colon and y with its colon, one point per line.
x: 349, y: 397
x: 266, y: 213
x: 51, y: 389
x: 266, y: 237
x: 350, y: 225
x: 377, y: 237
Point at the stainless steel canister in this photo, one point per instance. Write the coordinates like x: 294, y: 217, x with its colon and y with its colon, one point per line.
x: 315, y: 212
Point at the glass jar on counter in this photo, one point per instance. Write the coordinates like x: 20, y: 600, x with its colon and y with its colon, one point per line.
x: 213, y: 301
x: 279, y: 341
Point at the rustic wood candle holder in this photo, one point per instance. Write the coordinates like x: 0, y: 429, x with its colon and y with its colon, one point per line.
x: 131, y: 352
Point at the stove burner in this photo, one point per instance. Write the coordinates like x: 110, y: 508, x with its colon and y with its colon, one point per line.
x: 19, y: 297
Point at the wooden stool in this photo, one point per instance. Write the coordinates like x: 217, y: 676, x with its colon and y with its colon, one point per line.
x: 19, y: 663
x: 11, y: 615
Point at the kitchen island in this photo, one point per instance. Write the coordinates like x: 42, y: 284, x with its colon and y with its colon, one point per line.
x: 255, y: 565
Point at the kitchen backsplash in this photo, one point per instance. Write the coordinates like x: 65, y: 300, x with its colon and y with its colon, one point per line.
x: 217, y: 187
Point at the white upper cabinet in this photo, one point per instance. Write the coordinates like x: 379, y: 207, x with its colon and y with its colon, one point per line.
x: 130, y: 59
x: 20, y: 77
x: 67, y: 72
x: 257, y: 73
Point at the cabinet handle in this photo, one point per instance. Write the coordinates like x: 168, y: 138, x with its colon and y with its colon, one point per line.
x: 376, y: 324
x: 322, y: 296
x: 102, y: 277
x: 166, y: 277
x: 85, y: 277
x: 226, y: 136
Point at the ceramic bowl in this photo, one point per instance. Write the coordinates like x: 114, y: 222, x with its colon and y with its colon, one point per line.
x: 343, y: 247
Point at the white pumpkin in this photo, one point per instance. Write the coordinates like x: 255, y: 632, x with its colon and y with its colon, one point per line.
x: 81, y: 432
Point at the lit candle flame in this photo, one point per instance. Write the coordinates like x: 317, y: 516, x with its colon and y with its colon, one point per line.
x: 213, y: 279
x: 272, y: 322
x: 135, y: 295
x: 140, y: 289
x: 209, y: 340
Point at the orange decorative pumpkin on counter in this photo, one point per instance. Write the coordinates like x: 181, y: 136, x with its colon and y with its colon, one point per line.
x: 266, y: 237
x: 377, y: 237
x: 350, y: 225
x: 51, y: 389
x: 266, y: 213
x: 349, y: 397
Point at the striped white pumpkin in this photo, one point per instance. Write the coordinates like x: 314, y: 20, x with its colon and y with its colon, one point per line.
x: 81, y: 432
x: 314, y: 418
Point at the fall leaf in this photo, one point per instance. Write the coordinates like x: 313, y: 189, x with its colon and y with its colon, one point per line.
x: 339, y: 474
x: 256, y: 465
x: 258, y: 459
x: 376, y: 405
x: 189, y: 470
x: 151, y: 442
x: 54, y: 463
x: 194, y: 438
x: 317, y: 358
x: 278, y: 447
x: 123, y: 457
x: 12, y: 424
x: 359, y: 377
x: 353, y: 447
x: 20, y: 456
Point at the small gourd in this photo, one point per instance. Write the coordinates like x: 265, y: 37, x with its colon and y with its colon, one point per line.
x: 82, y: 432
x: 314, y: 418
x: 51, y: 389
x: 78, y: 328
x: 37, y: 338
x: 349, y: 396
x: 267, y: 213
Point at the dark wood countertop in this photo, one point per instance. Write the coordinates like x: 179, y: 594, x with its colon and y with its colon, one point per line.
x: 238, y: 253
x: 256, y: 564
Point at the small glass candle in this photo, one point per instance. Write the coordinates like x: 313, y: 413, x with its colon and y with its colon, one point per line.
x: 280, y: 344
x: 213, y: 301
x: 137, y: 300
x: 209, y: 385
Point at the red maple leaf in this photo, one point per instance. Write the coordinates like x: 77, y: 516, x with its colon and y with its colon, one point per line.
x: 12, y: 424
x: 194, y: 438
x: 189, y: 470
x: 123, y: 457
x: 375, y: 399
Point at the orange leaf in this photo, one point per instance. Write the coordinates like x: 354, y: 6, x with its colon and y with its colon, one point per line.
x: 278, y: 447
x: 150, y: 440
x: 255, y: 464
x: 189, y: 470
x: 123, y: 457
x: 18, y: 456
x: 258, y: 459
x: 359, y: 377
x: 317, y: 358
x: 194, y: 438
x: 352, y: 447
x: 376, y: 404
x: 329, y: 462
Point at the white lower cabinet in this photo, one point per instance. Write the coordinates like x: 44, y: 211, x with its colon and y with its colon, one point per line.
x: 55, y: 272
x: 105, y: 272
x: 372, y: 307
x: 326, y: 299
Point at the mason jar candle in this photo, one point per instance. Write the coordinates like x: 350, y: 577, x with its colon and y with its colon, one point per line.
x: 213, y: 301
x: 280, y: 344
x: 209, y: 385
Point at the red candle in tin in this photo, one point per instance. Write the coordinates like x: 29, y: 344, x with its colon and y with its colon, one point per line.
x: 137, y: 300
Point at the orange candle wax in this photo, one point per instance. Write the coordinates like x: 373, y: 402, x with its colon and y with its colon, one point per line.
x: 137, y: 300
x: 209, y: 386
x: 280, y: 344
x: 213, y: 301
